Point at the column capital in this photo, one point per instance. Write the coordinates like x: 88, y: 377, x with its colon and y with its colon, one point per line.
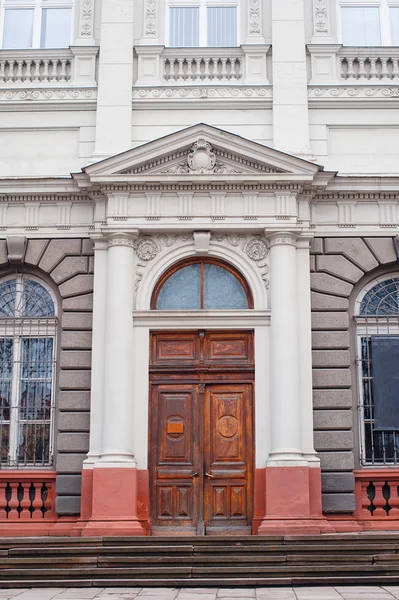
x: 99, y: 242
x: 283, y: 238
x: 122, y: 239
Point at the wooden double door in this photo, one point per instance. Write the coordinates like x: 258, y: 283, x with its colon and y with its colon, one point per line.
x: 201, y: 432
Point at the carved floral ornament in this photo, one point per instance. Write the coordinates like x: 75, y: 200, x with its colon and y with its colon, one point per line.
x: 255, y: 247
x: 254, y: 17
x: 200, y: 160
x: 86, y: 18
x: 150, y: 28
x: 321, y: 16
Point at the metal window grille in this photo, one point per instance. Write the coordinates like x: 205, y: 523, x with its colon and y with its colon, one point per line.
x: 28, y: 327
x: 378, y: 316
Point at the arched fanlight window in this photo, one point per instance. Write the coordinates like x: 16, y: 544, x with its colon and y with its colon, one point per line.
x: 28, y: 328
x: 382, y: 299
x: 377, y: 323
x: 202, y: 284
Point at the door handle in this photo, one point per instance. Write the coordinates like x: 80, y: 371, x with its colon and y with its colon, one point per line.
x: 209, y: 475
x: 195, y: 474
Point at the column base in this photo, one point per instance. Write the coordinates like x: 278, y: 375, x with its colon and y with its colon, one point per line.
x: 287, y: 526
x: 112, y: 494
x: 293, y: 502
x: 113, y: 528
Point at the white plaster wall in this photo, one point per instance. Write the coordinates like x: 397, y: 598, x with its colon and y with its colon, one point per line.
x: 355, y: 141
x: 45, y: 144
x: 253, y: 124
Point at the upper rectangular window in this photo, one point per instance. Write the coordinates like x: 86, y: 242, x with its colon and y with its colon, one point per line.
x: 394, y: 19
x: 369, y: 22
x: 35, y: 23
x: 202, y: 23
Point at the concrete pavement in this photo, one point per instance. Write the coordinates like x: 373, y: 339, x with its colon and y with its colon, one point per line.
x: 300, y: 593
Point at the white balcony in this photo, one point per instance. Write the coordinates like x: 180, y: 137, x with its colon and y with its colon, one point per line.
x: 75, y: 66
x: 336, y: 64
x: 160, y: 66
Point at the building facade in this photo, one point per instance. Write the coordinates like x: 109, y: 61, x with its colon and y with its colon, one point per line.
x: 199, y: 279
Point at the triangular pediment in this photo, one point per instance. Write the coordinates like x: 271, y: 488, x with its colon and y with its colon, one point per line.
x: 201, y: 151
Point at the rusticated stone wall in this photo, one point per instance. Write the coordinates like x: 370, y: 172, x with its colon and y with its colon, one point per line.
x: 338, y: 265
x: 67, y: 265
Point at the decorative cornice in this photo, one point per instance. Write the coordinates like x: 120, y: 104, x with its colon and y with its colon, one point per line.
x: 202, y: 187
x: 355, y: 196
x: 364, y: 92
x: 48, y: 95
x: 44, y: 198
x: 198, y: 93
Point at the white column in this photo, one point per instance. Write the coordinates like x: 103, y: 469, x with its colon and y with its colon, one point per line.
x: 115, y: 79
x: 305, y: 351
x: 97, y: 353
x: 118, y: 359
x: 285, y: 406
x: 290, y: 89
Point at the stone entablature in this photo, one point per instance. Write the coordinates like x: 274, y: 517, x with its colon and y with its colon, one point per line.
x: 200, y: 178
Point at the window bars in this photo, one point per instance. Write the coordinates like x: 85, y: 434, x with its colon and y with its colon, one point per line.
x: 378, y: 320
x: 28, y: 328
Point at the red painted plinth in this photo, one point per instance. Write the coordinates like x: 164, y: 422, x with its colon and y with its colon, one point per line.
x: 113, y: 502
x: 293, y: 502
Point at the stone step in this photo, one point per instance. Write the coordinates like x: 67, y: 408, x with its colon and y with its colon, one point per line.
x: 350, y: 549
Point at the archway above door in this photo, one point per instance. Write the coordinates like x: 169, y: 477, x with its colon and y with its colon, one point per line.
x: 198, y: 283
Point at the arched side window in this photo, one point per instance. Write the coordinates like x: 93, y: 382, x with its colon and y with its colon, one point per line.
x: 28, y: 327
x: 199, y: 284
x: 377, y: 324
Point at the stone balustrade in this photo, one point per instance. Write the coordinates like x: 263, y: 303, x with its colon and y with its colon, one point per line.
x: 336, y: 64
x: 44, y: 68
x: 157, y: 65
x: 377, y: 495
x: 27, y: 496
x: 368, y: 63
x: 202, y: 68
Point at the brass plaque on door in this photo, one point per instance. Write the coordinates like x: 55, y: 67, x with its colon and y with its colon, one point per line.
x: 175, y: 427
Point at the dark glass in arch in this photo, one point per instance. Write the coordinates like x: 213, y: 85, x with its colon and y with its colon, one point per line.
x: 382, y: 299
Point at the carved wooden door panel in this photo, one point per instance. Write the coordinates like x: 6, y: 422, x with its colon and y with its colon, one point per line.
x: 228, y: 442
x: 175, y: 461
x: 201, y: 438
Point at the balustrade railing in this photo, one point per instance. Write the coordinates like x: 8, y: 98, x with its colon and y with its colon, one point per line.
x: 377, y: 494
x: 202, y: 68
x: 35, y: 68
x: 27, y: 496
x: 44, y: 68
x: 160, y: 66
x: 368, y: 64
